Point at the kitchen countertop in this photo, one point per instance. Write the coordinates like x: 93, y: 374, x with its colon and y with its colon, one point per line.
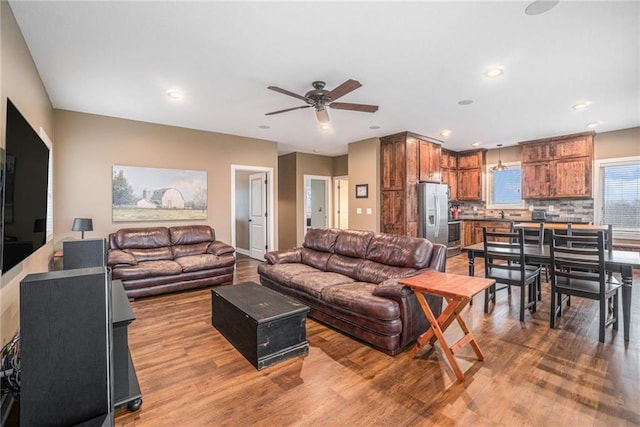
x: 489, y: 218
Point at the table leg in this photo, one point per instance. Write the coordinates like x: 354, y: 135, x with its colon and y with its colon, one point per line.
x: 471, y: 256
x: 627, y: 282
x: 435, y: 327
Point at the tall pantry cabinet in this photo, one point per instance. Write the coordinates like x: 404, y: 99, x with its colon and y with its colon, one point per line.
x: 405, y: 159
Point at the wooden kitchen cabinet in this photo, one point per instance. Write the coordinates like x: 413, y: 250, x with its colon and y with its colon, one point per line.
x: 472, y: 230
x: 429, y: 158
x: 405, y: 158
x: 558, y: 167
x: 450, y: 177
x: 471, y: 159
x: 449, y: 172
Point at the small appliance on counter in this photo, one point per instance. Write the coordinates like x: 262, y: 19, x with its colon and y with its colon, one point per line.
x: 538, y: 216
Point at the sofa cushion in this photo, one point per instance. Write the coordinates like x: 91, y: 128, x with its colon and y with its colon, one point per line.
x: 345, y: 265
x: 316, y: 259
x: 146, y: 269
x: 402, y: 251
x: 204, y: 262
x: 282, y: 273
x: 321, y: 239
x: 358, y: 297
x: 190, y: 234
x: 141, y: 238
x: 151, y: 254
x: 116, y: 256
x: 353, y: 243
x: 186, y: 250
x: 374, y: 272
x: 314, y: 283
x: 220, y: 248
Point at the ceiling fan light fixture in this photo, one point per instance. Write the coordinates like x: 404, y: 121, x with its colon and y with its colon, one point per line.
x: 322, y: 114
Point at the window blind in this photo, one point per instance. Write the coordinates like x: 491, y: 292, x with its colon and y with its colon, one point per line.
x: 621, y: 196
x: 505, y: 186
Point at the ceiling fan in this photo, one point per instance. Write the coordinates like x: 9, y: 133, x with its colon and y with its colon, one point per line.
x: 320, y: 98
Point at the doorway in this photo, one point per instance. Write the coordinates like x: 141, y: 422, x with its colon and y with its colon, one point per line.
x: 341, y: 202
x: 252, y: 201
x: 316, y: 202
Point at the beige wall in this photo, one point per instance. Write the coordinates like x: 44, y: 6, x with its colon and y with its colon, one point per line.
x: 89, y: 145
x: 20, y: 81
x: 618, y: 143
x: 287, y: 195
x: 341, y: 165
x: 364, y: 168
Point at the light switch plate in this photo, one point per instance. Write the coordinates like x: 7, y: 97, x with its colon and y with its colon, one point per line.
x: 369, y: 211
x: 358, y: 211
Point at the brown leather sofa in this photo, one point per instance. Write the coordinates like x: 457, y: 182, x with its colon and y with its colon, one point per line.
x: 157, y: 260
x: 349, y: 279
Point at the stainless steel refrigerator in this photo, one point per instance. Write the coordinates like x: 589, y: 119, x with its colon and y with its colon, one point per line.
x: 433, y: 212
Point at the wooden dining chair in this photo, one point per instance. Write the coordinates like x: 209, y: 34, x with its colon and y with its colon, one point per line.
x: 578, y: 269
x: 535, y: 236
x: 504, y: 262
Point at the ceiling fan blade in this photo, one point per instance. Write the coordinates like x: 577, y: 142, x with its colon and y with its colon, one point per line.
x: 288, y: 109
x: 365, y: 108
x: 343, y: 89
x: 286, y: 92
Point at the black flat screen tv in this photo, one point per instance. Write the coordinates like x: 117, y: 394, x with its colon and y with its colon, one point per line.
x: 26, y: 179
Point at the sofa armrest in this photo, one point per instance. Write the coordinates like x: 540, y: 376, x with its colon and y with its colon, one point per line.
x: 438, y: 260
x: 284, y: 256
x: 220, y: 248
x: 390, y: 288
x: 119, y: 257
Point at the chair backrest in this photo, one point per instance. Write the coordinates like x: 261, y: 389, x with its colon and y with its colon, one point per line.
x: 532, y: 236
x: 503, y: 252
x: 593, y: 230
x: 578, y: 257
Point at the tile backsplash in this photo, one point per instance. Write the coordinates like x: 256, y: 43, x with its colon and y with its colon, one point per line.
x: 564, y: 210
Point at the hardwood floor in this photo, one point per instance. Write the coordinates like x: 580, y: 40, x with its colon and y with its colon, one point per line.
x: 532, y: 375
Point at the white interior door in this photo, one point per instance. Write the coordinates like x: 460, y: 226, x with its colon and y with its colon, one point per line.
x: 341, y: 214
x: 257, y: 215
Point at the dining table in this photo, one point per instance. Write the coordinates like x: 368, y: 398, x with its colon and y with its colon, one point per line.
x: 616, y: 261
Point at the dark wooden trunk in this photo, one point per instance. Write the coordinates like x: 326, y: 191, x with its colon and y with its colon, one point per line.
x: 263, y: 325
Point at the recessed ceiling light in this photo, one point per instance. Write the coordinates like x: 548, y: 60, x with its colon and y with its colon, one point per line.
x: 325, y: 126
x: 581, y: 105
x: 494, y: 72
x: 174, y: 94
x: 539, y: 7
x: 475, y: 144
x: 264, y: 127
x: 374, y: 127
x: 465, y: 102
x: 445, y: 133
x: 592, y: 125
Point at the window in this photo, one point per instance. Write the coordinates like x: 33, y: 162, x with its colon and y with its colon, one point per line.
x: 504, y: 187
x: 619, y: 195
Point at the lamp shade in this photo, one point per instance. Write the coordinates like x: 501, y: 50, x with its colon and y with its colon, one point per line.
x: 82, y: 224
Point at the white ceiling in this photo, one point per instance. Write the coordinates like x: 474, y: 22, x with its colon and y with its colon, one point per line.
x: 415, y: 60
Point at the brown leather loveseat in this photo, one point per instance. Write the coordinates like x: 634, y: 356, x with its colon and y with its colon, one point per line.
x: 349, y: 279
x: 157, y: 260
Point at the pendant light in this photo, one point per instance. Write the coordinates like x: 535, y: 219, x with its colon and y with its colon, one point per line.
x: 499, y: 167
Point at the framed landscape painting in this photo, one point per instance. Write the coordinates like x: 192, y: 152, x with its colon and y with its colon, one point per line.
x: 154, y: 194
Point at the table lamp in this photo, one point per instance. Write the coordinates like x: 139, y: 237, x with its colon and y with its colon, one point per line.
x: 82, y: 225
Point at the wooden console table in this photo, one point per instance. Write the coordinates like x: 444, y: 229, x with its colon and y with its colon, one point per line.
x: 457, y: 290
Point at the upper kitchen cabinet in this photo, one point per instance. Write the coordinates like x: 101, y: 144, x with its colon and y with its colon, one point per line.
x: 559, y: 167
x: 449, y: 172
x: 470, y: 165
x: 429, y: 167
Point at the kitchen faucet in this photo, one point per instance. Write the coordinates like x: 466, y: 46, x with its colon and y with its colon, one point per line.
x: 501, y: 214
